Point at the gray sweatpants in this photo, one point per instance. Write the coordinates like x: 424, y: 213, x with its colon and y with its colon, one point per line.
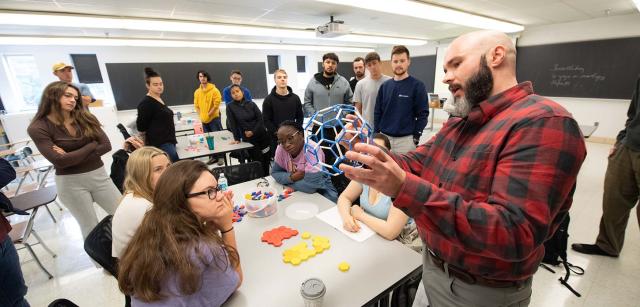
x: 445, y: 291
x: 402, y: 144
x: 78, y: 192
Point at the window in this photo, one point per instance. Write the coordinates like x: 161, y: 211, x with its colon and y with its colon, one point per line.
x: 25, y: 79
x: 273, y: 63
x: 302, y: 63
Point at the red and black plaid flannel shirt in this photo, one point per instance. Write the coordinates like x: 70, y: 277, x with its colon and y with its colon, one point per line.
x: 488, y: 190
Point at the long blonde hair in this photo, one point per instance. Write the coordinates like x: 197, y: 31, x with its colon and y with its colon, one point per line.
x: 50, y: 105
x: 138, y: 179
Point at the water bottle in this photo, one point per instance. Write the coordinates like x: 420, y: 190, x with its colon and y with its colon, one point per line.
x: 223, y: 184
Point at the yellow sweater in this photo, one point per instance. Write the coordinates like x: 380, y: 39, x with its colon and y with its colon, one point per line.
x: 207, y: 100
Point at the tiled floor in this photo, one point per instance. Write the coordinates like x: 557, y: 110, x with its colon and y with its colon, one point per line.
x: 607, y: 282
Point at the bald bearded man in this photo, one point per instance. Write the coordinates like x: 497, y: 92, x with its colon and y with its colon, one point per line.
x: 491, y: 186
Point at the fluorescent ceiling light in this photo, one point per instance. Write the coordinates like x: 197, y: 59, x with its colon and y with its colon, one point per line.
x: 637, y: 2
x: 431, y: 12
x: 69, y: 41
x: 74, y: 21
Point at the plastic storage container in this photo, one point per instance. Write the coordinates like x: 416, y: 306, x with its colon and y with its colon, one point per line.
x: 261, y: 202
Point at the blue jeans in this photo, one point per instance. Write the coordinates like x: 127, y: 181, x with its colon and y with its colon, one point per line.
x: 12, y: 287
x: 214, y: 125
x: 170, y: 149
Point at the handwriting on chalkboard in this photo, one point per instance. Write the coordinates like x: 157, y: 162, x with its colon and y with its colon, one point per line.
x: 567, y: 75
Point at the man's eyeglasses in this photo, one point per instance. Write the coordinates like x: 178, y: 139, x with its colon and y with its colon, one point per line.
x: 211, y: 193
x: 288, y: 140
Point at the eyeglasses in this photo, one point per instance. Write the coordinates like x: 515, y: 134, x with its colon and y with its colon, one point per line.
x: 211, y: 193
x: 288, y: 140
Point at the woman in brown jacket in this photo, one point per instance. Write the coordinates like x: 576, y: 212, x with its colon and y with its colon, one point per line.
x: 72, y: 140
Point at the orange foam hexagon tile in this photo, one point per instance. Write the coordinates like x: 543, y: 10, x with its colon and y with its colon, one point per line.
x: 276, y: 235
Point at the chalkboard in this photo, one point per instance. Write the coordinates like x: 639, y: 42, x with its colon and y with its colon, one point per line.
x: 422, y: 68
x: 87, y: 68
x: 180, y: 80
x: 593, y: 69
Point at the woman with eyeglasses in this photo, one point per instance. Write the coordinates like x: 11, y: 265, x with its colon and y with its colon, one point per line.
x: 73, y: 141
x: 246, y: 123
x: 144, y: 167
x: 184, y: 253
x: 291, y: 168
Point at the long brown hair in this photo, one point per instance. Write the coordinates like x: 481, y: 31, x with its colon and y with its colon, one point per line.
x: 50, y: 105
x: 163, y: 244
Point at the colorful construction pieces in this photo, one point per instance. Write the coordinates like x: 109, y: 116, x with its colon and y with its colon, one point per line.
x: 343, y: 266
x: 259, y: 195
x: 300, y: 252
x: 306, y: 235
x: 238, y: 213
x: 276, y: 235
x: 285, y: 194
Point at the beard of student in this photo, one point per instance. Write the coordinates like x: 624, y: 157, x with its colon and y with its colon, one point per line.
x: 477, y: 89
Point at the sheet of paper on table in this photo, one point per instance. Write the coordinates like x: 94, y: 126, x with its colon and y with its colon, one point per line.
x: 332, y: 217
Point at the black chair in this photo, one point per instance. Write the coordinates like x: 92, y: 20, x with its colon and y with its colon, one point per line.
x: 98, y: 247
x: 240, y: 173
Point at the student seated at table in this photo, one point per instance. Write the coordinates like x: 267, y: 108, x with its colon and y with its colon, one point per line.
x: 184, y: 253
x: 144, y: 167
x: 290, y: 167
x: 246, y: 123
x: 376, y: 210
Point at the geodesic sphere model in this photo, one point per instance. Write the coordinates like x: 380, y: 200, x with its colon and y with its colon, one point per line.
x: 347, y: 132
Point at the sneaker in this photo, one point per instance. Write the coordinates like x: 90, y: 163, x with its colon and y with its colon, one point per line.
x: 221, y: 161
x: 590, y: 249
x: 212, y: 160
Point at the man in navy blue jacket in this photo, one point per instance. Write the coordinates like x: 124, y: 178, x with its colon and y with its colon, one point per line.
x: 401, y: 106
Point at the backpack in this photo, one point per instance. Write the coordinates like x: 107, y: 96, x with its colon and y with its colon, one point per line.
x: 555, y: 253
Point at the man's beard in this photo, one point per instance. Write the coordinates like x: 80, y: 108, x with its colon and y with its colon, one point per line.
x: 329, y: 73
x: 477, y: 89
x: 359, y: 75
x: 395, y: 72
x: 457, y: 106
x: 479, y: 86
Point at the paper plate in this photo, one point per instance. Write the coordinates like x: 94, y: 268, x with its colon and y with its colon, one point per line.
x: 301, y: 210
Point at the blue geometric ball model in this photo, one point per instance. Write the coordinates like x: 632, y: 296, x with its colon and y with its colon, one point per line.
x: 334, y: 117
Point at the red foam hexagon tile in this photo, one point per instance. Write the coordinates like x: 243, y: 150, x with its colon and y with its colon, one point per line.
x: 276, y: 235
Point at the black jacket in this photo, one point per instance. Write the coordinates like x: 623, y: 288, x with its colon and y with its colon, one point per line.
x: 630, y: 135
x: 277, y: 108
x: 245, y: 116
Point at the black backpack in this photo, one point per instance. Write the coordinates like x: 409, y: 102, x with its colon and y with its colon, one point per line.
x: 555, y: 253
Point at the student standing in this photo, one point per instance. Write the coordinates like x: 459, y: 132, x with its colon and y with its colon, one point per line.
x: 236, y: 79
x: 281, y: 105
x: 401, y: 106
x: 206, y: 101
x: 72, y: 140
x: 367, y: 89
x: 246, y: 124
x: 64, y: 73
x: 155, y: 119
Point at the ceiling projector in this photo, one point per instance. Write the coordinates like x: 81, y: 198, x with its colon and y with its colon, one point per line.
x: 334, y: 28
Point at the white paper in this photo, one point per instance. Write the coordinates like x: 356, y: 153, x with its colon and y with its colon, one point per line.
x: 332, y: 217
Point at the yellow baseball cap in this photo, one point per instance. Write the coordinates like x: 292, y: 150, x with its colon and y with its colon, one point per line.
x: 60, y: 66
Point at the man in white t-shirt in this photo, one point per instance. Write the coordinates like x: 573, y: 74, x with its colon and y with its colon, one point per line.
x: 366, y: 91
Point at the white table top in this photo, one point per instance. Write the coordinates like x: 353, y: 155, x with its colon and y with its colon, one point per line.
x: 221, y: 145
x: 376, y: 264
